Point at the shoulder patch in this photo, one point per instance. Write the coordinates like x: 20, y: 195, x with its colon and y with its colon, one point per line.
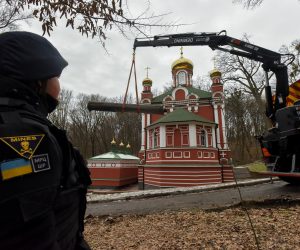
x: 24, y: 145
x: 40, y: 163
x: 15, y: 168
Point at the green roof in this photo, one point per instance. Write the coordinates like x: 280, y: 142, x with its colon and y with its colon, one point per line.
x: 191, y: 90
x: 181, y: 115
x: 114, y: 156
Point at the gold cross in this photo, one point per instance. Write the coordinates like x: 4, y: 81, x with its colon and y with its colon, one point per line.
x: 214, y: 61
x: 147, y: 68
x: 181, y: 51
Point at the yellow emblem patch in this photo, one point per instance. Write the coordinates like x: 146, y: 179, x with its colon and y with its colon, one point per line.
x: 24, y: 145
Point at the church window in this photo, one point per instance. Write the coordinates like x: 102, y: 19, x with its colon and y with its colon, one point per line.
x: 185, y: 139
x: 170, y: 135
x: 181, y: 78
x: 201, y: 137
x: 184, y: 129
x: 170, y: 140
x: 156, y: 138
x: 151, y: 133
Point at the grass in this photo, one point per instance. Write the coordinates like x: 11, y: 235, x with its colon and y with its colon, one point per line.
x: 257, y: 167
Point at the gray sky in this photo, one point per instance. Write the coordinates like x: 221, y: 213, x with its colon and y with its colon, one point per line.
x: 92, y: 71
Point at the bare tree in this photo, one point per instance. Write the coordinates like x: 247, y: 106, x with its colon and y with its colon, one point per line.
x: 91, y: 18
x: 86, y: 128
x: 10, y: 15
x: 93, y: 132
x: 249, y: 4
x: 61, y: 116
x: 130, y: 129
x: 243, y: 123
x: 294, y: 67
x: 242, y: 71
x: 127, y: 127
x: 202, y: 82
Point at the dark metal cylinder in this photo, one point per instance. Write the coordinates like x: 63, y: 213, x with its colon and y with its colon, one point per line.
x: 118, y: 107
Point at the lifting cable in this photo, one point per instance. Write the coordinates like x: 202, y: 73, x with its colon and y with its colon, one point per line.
x: 135, y: 80
x: 242, y: 201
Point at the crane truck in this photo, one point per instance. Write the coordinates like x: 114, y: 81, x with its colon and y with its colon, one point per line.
x: 281, y: 143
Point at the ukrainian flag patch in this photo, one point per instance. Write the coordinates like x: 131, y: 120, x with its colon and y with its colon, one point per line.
x: 15, y: 168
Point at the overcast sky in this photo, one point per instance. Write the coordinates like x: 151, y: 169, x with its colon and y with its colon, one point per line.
x: 91, y: 70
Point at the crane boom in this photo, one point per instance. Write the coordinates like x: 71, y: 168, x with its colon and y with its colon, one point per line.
x: 271, y: 61
x: 214, y: 41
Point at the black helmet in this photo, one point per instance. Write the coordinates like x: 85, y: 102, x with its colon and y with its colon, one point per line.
x: 28, y: 57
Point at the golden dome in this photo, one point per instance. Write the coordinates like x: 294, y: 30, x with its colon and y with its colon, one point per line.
x: 128, y: 146
x: 182, y: 62
x: 121, y: 144
x: 113, y: 142
x: 215, y: 72
x: 147, y: 81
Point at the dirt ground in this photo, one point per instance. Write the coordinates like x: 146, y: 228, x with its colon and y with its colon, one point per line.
x: 277, y: 226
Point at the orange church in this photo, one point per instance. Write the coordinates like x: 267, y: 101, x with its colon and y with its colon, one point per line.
x: 186, y: 146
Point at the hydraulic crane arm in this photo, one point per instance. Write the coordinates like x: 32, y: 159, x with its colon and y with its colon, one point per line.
x: 271, y: 61
x: 214, y: 41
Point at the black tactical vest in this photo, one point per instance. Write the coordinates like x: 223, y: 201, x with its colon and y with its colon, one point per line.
x: 43, y: 183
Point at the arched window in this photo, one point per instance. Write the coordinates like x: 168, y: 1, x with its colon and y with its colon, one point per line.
x: 181, y: 78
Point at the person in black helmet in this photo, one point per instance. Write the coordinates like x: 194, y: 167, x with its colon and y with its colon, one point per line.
x: 43, y: 179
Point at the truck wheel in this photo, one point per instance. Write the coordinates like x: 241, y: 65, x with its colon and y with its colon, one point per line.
x: 291, y: 180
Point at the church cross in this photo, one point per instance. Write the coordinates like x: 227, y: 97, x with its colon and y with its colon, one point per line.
x: 181, y: 51
x: 223, y: 154
x: 147, y: 68
x: 215, y: 62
